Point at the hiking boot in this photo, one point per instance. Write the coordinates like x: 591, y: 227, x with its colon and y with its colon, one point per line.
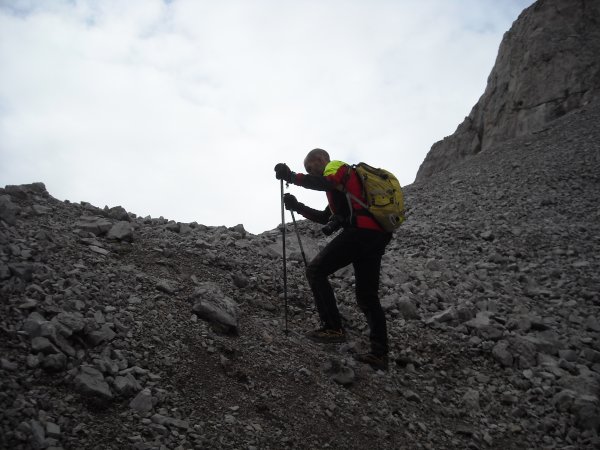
x: 375, y: 361
x: 327, y: 335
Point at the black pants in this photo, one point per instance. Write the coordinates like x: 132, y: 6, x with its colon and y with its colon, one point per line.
x: 364, y: 249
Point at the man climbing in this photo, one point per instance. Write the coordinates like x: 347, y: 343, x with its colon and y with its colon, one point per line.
x: 361, y: 243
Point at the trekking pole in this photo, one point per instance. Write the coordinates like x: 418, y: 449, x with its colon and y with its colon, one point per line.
x: 284, y: 261
x: 299, y: 240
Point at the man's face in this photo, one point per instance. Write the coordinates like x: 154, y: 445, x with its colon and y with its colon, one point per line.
x: 315, y: 166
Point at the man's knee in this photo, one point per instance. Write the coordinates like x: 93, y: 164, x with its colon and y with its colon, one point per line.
x: 367, y: 300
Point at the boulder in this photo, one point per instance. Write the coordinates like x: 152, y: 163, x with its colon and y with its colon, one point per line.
x: 126, y: 385
x: 142, y: 403
x: 121, y: 231
x: 408, y: 310
x: 93, y: 224
x: 90, y: 382
x: 8, y: 210
x: 211, y: 304
x: 117, y: 213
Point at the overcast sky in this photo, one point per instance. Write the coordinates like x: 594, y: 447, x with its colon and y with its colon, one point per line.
x: 182, y: 108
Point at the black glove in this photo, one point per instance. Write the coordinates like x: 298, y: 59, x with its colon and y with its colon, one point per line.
x: 291, y: 203
x: 283, y: 172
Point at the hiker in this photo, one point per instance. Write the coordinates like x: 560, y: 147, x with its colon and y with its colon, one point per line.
x: 362, y: 243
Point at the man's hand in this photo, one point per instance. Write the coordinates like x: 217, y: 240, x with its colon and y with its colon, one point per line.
x: 290, y: 202
x: 283, y: 172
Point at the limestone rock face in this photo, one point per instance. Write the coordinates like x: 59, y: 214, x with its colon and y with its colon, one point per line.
x: 547, y: 65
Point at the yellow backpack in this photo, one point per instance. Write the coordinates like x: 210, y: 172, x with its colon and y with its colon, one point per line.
x: 383, y: 195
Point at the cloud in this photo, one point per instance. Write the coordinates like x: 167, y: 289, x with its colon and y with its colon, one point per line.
x: 182, y: 108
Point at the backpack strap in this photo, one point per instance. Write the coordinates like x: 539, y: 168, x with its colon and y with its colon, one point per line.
x: 349, y: 197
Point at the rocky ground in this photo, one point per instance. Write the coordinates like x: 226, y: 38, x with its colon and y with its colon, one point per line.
x: 126, y: 332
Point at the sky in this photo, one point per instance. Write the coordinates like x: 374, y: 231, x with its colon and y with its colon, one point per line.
x: 182, y: 108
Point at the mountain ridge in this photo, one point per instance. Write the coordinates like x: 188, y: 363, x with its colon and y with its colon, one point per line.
x: 547, y: 65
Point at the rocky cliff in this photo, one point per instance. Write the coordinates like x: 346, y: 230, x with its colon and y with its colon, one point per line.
x: 547, y: 65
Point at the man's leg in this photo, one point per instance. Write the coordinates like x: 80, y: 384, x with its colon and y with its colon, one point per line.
x: 366, y: 271
x: 337, y: 254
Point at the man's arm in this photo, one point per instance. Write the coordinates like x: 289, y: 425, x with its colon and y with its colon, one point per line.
x: 314, y: 215
x: 314, y: 182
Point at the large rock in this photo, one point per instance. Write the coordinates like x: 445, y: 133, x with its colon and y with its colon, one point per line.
x: 122, y: 231
x: 127, y: 385
x: 210, y: 303
x: 8, y: 210
x: 90, y: 382
x: 547, y: 65
x: 117, y: 213
x: 93, y: 224
x: 142, y: 403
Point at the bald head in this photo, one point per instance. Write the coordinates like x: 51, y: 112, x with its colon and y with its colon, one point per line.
x: 315, y: 161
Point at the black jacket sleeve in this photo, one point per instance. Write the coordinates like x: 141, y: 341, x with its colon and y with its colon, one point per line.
x: 321, y: 217
x: 314, y: 182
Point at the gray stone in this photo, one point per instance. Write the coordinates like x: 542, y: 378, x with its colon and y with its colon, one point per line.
x: 568, y: 355
x: 184, y: 229
x: 167, y: 286
x: 408, y: 310
x: 524, y: 351
x: 4, y: 271
x: 43, y: 345
x: 41, y: 210
x: 344, y: 376
x: 471, y: 399
x: 53, y: 430
x: 33, y: 361
x: 25, y: 191
x: 411, y: 396
x: 32, y: 325
x: 104, y: 334
x: 8, y: 210
x: 173, y: 226
x: 126, y: 385
x: 38, y: 435
x: 133, y: 300
x: 117, y: 213
x: 211, y: 304
x: 586, y: 412
x: 90, y: 381
x: 70, y: 322
x: 121, y: 231
x: 94, y: 224
x: 434, y: 265
x: 142, y: 403
x: 501, y: 353
x: 54, y: 363
x: 564, y: 400
x: 240, y: 280
x: 448, y: 315
x: 487, y: 235
x: 23, y: 271
x: 99, y: 250
x: 481, y: 320
x: 29, y: 303
x: 239, y: 228
x: 7, y: 365
x: 592, y: 324
x: 591, y: 355
x: 170, y: 421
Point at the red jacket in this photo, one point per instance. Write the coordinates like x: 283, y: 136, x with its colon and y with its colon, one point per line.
x: 337, y: 174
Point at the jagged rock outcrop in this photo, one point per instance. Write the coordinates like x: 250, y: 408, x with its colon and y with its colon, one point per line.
x: 547, y: 65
